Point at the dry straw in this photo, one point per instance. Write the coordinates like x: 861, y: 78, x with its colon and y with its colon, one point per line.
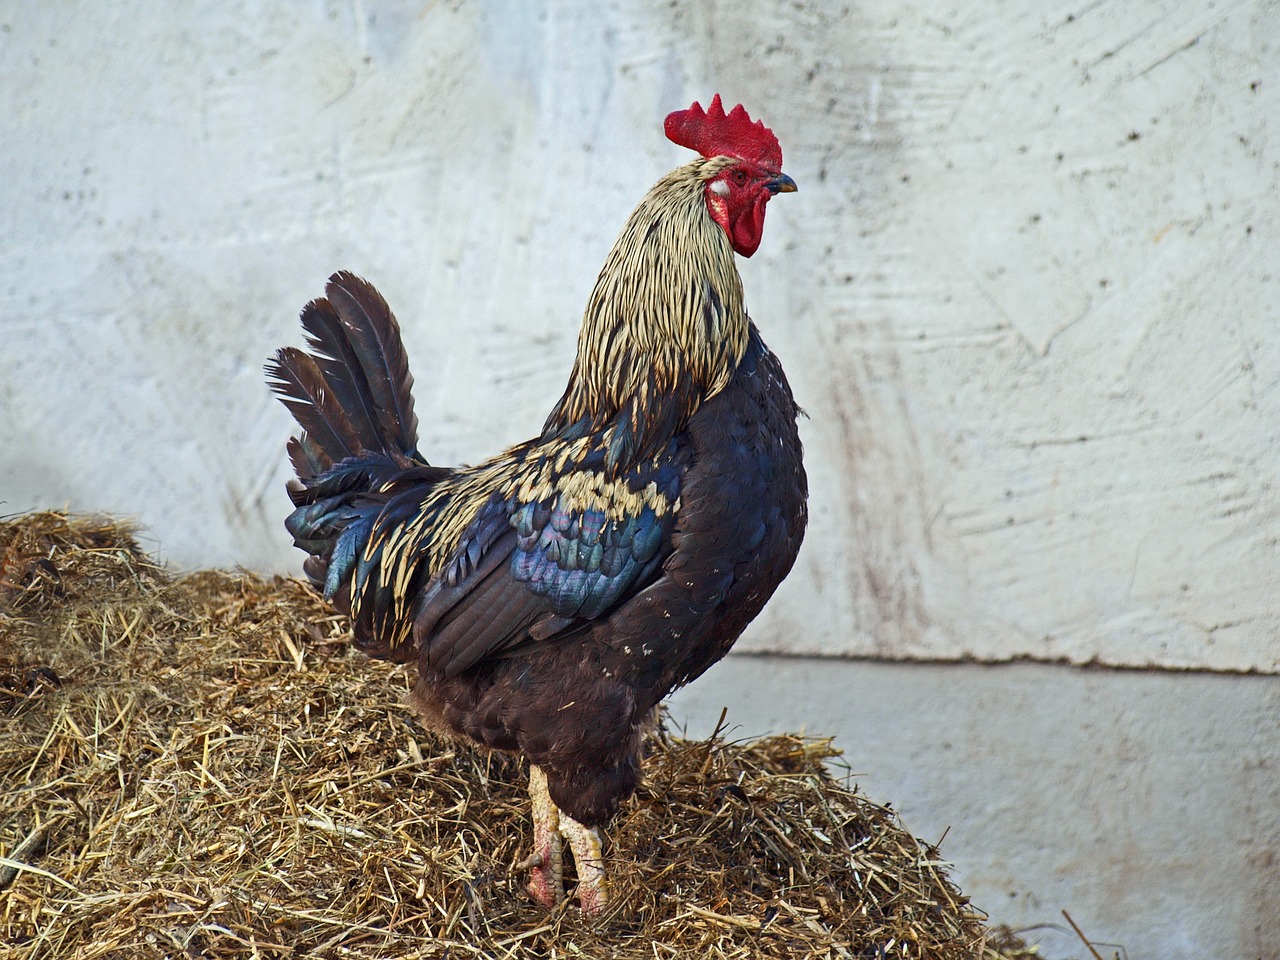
x: 203, y: 767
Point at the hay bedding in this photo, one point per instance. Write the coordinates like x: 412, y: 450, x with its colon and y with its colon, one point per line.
x: 203, y: 767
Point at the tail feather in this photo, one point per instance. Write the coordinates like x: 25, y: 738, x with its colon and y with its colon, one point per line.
x: 335, y: 530
x: 339, y: 363
x: 381, y: 371
x: 350, y: 391
x: 308, y: 458
x: 359, y: 475
x: 351, y: 395
x: 304, y: 389
x: 342, y: 366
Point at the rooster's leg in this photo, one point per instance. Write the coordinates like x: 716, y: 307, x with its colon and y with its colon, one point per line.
x: 547, y: 883
x: 588, y: 856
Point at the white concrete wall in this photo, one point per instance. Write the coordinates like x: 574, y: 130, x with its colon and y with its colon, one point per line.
x: 1027, y: 292
x: 1144, y: 803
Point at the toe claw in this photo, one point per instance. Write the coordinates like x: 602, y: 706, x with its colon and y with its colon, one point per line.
x: 534, y: 859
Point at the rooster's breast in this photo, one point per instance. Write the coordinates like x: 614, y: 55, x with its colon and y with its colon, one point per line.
x: 739, y: 527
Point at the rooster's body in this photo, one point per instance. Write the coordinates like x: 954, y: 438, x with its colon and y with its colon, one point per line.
x: 552, y: 596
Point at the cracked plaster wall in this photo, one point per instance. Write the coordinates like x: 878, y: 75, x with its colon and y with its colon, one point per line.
x: 1026, y: 292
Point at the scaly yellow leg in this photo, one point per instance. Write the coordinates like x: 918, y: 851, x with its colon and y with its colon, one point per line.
x: 546, y: 862
x: 588, y: 856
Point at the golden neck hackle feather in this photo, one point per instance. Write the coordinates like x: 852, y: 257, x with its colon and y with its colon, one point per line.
x: 666, y: 317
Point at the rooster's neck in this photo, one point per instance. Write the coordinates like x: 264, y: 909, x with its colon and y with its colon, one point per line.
x: 664, y: 329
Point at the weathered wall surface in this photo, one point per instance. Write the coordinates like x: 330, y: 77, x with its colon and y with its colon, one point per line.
x: 1027, y: 292
x: 1141, y: 802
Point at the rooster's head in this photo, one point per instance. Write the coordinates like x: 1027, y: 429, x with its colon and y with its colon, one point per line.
x: 739, y: 188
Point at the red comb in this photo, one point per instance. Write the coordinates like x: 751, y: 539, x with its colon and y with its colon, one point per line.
x: 713, y: 133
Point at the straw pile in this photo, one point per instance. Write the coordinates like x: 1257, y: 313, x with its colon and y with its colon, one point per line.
x: 203, y: 767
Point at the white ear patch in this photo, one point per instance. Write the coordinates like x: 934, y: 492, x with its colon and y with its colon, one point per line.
x: 720, y: 188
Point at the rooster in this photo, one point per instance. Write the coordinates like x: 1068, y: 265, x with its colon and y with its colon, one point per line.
x: 552, y: 596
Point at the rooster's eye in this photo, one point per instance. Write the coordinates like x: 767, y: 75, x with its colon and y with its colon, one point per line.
x: 739, y: 177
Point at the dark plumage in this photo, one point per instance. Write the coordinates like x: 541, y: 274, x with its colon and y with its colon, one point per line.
x: 552, y: 596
